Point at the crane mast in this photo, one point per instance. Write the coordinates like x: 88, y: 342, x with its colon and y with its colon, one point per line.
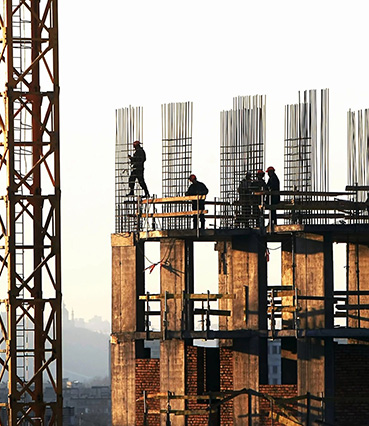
x: 30, y: 275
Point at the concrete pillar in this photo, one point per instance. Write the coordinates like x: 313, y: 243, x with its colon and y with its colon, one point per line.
x: 314, y: 281
x: 358, y: 279
x: 127, y: 317
x: 288, y: 344
x: 242, y: 272
x: 172, y: 352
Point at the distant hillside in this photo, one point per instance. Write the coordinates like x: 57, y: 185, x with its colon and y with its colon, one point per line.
x: 85, y: 352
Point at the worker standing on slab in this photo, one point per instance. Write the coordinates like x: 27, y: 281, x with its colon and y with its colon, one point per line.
x: 260, y: 182
x: 197, y: 188
x: 137, y: 169
x: 244, y: 189
x: 273, y: 185
x: 260, y: 186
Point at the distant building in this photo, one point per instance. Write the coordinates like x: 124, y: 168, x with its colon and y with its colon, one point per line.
x: 88, y: 403
x: 274, y: 362
x: 154, y: 347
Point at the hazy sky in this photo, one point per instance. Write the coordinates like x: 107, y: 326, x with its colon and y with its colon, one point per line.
x: 144, y: 53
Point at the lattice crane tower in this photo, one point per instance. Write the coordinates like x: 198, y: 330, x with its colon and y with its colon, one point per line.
x: 30, y: 278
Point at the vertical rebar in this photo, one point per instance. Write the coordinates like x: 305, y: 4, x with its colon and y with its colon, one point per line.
x: 129, y: 127
x: 358, y: 151
x: 242, y: 149
x: 306, y: 159
x: 177, y: 121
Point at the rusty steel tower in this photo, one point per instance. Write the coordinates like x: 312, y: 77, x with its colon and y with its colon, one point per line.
x: 30, y: 276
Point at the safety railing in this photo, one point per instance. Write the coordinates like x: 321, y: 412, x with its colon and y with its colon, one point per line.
x: 255, y: 211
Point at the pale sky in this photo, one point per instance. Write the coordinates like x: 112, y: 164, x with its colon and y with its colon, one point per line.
x: 144, y: 53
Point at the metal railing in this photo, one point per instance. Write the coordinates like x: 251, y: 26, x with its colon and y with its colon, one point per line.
x: 321, y: 208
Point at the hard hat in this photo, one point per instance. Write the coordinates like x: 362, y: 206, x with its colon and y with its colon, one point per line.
x: 136, y: 143
x: 192, y: 178
x: 260, y: 172
x: 270, y: 169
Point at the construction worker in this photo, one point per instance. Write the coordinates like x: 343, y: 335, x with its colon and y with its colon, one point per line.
x: 273, y: 185
x: 197, y: 188
x: 260, y: 183
x: 137, y: 169
x: 245, y: 189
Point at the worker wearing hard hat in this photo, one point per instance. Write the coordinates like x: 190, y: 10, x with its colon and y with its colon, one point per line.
x: 273, y: 185
x: 137, y: 172
x: 197, y: 188
x: 260, y: 182
x: 244, y: 189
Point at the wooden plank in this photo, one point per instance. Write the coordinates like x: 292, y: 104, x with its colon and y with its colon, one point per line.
x: 198, y: 297
x: 280, y: 287
x: 352, y: 307
x: 282, y: 309
x: 284, y: 420
x: 318, y: 205
x: 220, y: 312
x: 174, y: 214
x: 357, y: 188
x: 173, y: 199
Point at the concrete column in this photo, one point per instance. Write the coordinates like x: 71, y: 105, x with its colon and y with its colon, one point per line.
x: 358, y: 279
x: 288, y: 344
x: 242, y: 272
x: 127, y: 317
x: 314, y: 278
x: 172, y: 352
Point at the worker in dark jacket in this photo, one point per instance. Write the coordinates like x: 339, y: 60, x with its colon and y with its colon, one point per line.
x: 197, y: 188
x: 245, y: 189
x: 137, y: 169
x: 260, y: 186
x: 260, y: 182
x: 273, y: 185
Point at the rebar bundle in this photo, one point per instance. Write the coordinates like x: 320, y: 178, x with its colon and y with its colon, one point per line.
x: 306, y: 165
x: 129, y: 128
x: 242, y: 149
x: 177, y: 119
x: 358, y: 150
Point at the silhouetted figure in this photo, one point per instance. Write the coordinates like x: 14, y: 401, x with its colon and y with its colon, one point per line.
x: 273, y: 185
x: 137, y: 169
x: 244, y: 190
x: 260, y: 182
x: 260, y: 185
x: 197, y: 188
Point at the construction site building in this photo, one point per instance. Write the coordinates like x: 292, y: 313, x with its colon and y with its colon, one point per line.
x: 322, y: 330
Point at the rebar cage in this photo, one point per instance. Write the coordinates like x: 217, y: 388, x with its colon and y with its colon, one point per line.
x: 306, y: 159
x: 358, y: 151
x: 129, y: 128
x: 242, y: 149
x: 177, y: 120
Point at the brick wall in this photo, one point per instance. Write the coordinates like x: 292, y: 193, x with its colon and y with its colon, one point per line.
x: 195, y: 383
x: 278, y: 391
x: 351, y: 384
x: 147, y: 378
x: 226, y: 383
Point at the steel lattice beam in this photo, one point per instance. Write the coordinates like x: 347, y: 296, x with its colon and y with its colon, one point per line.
x: 30, y: 337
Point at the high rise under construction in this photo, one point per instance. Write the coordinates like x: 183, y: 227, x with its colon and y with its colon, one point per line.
x: 322, y: 329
